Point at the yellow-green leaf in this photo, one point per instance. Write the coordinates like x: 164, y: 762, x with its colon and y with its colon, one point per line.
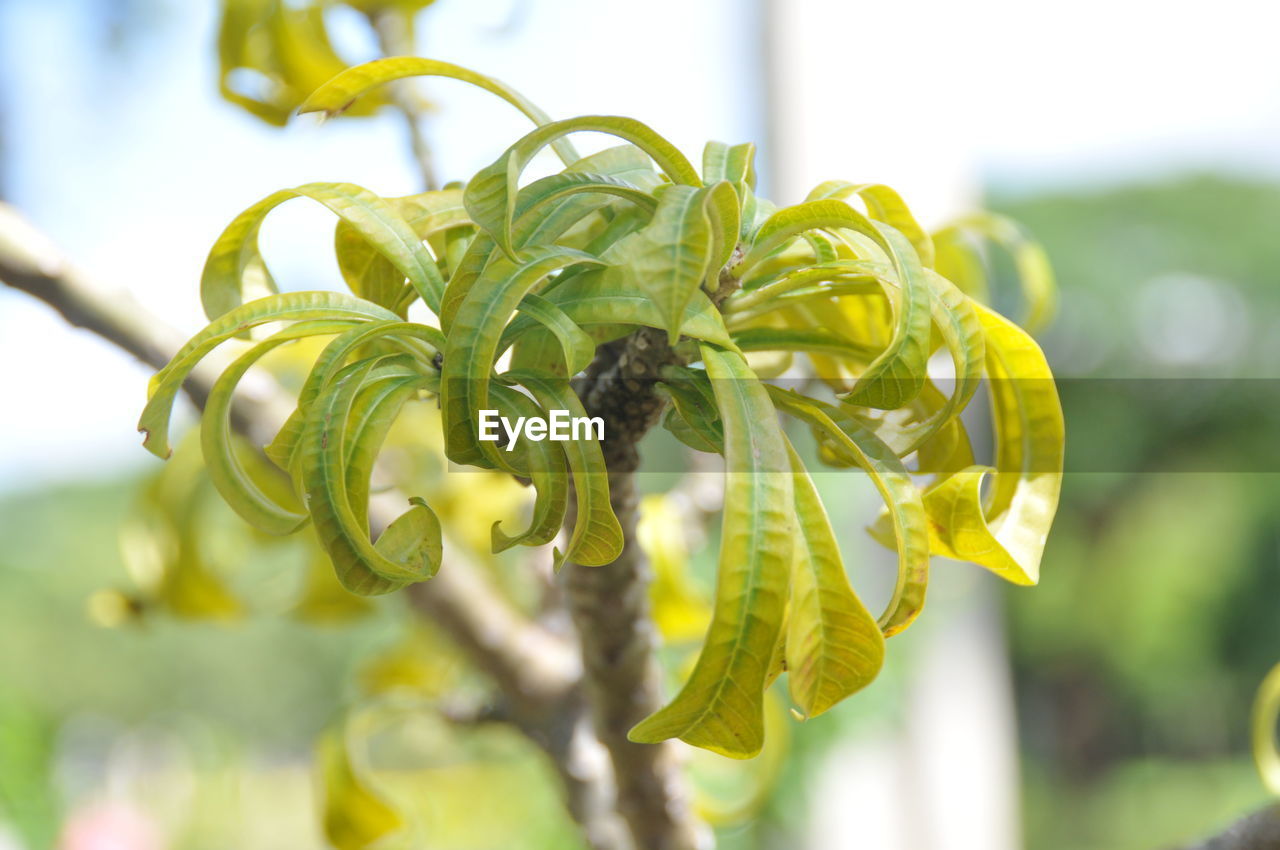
x: 339, y: 93
x: 491, y: 194
x: 1007, y: 534
x: 290, y: 306
x: 355, y: 816
x: 410, y: 548
x: 833, y: 646
x: 671, y: 257
x: 720, y: 707
x: 235, y: 272
x: 895, y: 377
x: 845, y: 436
x: 597, y: 537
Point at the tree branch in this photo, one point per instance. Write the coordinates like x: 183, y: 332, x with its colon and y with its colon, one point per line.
x: 610, y: 604
x: 394, y: 29
x: 1258, y: 831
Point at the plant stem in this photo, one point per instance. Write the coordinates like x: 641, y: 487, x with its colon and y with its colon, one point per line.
x: 610, y: 605
x: 1258, y: 831
x: 394, y: 31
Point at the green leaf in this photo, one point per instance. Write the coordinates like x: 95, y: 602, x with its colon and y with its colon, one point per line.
x: 491, y: 194
x: 541, y: 193
x: 895, y: 377
x: 235, y: 272
x: 957, y: 323
x: 235, y: 485
x: 411, y: 337
x: 339, y: 93
x: 291, y: 306
x: 720, y: 707
x: 595, y: 298
x: 578, y: 347
x: 725, y: 213
x: 833, y: 646
x: 855, y: 444
x: 410, y: 548
x: 693, y: 417
x: 671, y: 257
x: 542, y: 462
x: 818, y: 340
x: 732, y: 163
x: 367, y: 271
x: 824, y: 280
x: 597, y: 537
x: 472, y: 347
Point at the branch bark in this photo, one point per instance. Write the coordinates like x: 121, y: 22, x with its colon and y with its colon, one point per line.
x: 1258, y: 831
x: 610, y: 604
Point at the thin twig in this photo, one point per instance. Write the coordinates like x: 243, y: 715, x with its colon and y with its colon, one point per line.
x: 394, y: 31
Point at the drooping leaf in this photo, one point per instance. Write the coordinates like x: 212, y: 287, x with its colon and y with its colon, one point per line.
x: 231, y: 480
x: 544, y: 464
x: 290, y: 306
x: 339, y: 93
x: 833, y: 646
x: 884, y: 204
x: 1006, y: 534
x: 406, y: 335
x: 595, y: 298
x: 597, y: 537
x: 694, y: 417
x: 472, y: 346
x: 720, y: 707
x: 410, y: 547
x: 576, y: 344
x: 850, y: 440
x: 1031, y: 264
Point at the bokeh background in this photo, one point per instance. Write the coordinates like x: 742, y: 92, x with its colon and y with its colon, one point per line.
x: 1107, y: 708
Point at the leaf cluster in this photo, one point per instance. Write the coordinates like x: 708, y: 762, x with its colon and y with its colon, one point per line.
x: 513, y: 285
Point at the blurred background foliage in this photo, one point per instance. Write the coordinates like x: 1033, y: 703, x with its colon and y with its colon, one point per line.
x: 1137, y: 656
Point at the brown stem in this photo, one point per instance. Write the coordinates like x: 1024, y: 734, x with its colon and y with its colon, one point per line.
x: 1258, y: 831
x: 610, y: 605
x: 394, y: 29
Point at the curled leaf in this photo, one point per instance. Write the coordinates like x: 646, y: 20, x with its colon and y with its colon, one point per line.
x: 720, y: 707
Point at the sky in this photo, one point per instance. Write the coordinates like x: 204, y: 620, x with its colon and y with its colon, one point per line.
x: 118, y: 146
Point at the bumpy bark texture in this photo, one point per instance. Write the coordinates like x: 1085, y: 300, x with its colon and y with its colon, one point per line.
x: 1258, y: 831
x: 610, y: 604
